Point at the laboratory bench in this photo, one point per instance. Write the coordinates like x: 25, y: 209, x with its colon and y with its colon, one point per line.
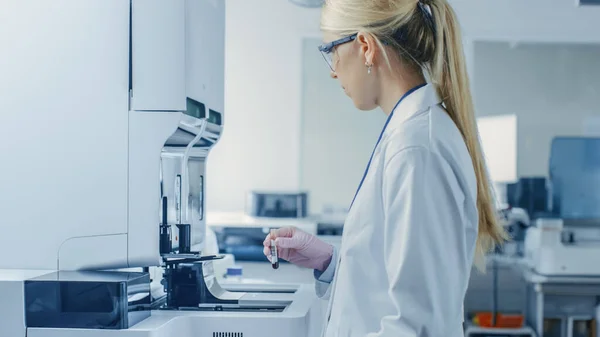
x: 553, y: 306
x: 562, y: 305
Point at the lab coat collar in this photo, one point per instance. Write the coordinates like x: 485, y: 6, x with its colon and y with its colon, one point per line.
x: 417, y: 101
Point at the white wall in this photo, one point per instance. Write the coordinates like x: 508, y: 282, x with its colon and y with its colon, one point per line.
x: 260, y: 148
x: 336, y: 138
x: 553, y: 89
x: 531, y: 20
x: 261, y: 140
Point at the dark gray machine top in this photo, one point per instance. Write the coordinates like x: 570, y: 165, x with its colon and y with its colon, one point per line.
x: 575, y: 178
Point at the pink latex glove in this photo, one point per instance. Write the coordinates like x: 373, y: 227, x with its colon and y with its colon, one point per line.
x: 299, y: 248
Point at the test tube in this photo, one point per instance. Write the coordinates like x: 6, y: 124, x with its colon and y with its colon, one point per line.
x: 274, y: 259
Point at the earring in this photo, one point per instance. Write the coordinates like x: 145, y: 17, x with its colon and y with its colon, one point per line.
x: 369, y: 66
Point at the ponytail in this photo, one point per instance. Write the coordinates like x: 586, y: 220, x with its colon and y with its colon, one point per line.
x: 448, y: 71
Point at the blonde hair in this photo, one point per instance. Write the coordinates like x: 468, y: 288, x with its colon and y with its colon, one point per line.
x: 426, y: 34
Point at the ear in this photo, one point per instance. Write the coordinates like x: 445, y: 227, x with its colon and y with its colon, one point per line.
x: 368, y: 46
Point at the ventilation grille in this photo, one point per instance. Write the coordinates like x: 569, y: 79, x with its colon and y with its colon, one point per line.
x: 228, y: 334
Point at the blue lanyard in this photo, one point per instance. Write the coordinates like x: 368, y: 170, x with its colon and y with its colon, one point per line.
x: 381, y: 135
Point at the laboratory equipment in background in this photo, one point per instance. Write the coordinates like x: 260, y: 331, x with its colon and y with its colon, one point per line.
x: 242, y: 234
x: 568, y: 241
x: 562, y: 248
x: 113, y: 109
x: 555, y: 249
x: 556, y: 283
x: 530, y: 194
x: 575, y: 179
x: 516, y: 221
x: 277, y: 204
x: 330, y: 225
x: 331, y: 222
x: 526, y: 200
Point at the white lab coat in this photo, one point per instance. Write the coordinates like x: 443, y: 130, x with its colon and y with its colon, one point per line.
x: 409, y: 239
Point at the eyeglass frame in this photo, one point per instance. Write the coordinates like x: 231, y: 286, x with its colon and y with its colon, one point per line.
x: 327, y: 48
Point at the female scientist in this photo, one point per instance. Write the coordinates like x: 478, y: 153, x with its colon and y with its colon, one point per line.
x: 423, y: 211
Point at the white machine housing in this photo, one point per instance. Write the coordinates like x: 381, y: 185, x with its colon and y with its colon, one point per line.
x: 547, y: 251
x: 84, y: 116
x: 302, y: 316
x: 91, y: 94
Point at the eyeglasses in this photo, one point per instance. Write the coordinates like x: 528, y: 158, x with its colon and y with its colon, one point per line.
x: 328, y: 48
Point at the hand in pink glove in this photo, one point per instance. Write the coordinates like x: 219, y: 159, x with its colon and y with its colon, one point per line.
x: 299, y: 248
